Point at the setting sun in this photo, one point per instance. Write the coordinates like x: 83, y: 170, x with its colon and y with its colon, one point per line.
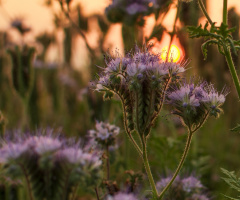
x: 174, y: 54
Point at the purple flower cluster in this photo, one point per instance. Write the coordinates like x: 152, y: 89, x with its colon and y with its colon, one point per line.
x: 140, y: 79
x: 183, y: 188
x: 122, y: 196
x: 105, y: 133
x: 194, y: 102
x: 129, y: 11
x: 40, y: 153
x: 136, y: 67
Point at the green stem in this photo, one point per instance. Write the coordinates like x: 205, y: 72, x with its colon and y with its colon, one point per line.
x: 232, y: 70
x: 27, y: 181
x: 96, y: 191
x: 204, y: 11
x: 108, y: 163
x: 225, y: 12
x: 190, y: 134
x: 148, y: 170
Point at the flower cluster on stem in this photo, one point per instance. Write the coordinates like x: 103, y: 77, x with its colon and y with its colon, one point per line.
x: 50, y: 163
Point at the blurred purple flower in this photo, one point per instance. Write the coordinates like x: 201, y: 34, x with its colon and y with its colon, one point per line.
x: 12, y: 151
x: 105, y: 133
x: 164, y: 181
x: 44, y: 144
x: 134, y: 8
x: 190, y: 184
x: 199, y: 197
x: 76, y: 156
x: 122, y: 196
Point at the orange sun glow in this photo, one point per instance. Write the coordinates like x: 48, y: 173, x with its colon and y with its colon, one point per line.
x: 174, y: 54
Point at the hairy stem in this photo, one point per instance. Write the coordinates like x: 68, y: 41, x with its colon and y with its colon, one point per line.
x: 27, y: 181
x: 108, y: 163
x: 225, y: 12
x: 232, y: 70
x: 148, y: 170
x: 190, y: 134
x: 204, y: 11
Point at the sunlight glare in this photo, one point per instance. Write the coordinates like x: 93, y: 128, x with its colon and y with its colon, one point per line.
x: 174, y: 54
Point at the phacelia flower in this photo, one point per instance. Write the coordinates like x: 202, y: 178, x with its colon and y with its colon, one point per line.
x: 130, y: 11
x: 77, y: 156
x: 47, y: 155
x: 44, y: 144
x: 122, y: 196
x: 164, y: 181
x: 105, y: 133
x: 194, y: 102
x: 199, y: 197
x: 191, y: 183
x: 140, y: 79
x: 13, y: 151
x: 183, y: 188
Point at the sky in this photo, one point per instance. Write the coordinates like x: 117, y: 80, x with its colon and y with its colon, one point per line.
x: 40, y: 18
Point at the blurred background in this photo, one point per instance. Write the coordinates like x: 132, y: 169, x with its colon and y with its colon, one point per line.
x: 70, y: 39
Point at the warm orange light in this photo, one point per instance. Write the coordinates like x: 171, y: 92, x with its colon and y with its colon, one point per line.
x: 174, y: 53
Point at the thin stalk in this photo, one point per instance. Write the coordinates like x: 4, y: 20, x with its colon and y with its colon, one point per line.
x: 27, y: 181
x: 232, y: 70
x: 66, y: 13
x: 108, y: 163
x: 66, y: 185
x: 190, y: 134
x: 225, y: 12
x: 148, y: 170
x: 96, y: 191
x: 204, y: 11
x: 74, y: 194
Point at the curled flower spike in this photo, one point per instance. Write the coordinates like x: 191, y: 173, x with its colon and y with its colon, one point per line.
x: 140, y: 79
x: 194, y: 102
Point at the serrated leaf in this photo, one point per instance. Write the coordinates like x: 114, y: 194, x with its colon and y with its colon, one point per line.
x: 230, y: 197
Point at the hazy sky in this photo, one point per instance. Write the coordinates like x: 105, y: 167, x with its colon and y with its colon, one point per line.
x: 40, y: 17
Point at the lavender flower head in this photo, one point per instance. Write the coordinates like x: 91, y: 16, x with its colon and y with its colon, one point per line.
x: 183, y: 188
x: 50, y: 156
x: 129, y: 11
x: 105, y: 133
x: 122, y: 196
x: 44, y: 144
x: 191, y: 183
x: 194, y: 102
x: 138, y: 77
x: 164, y: 181
x: 13, y: 151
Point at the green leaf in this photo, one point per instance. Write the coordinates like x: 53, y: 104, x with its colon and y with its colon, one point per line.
x: 205, y: 45
x: 236, y: 129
